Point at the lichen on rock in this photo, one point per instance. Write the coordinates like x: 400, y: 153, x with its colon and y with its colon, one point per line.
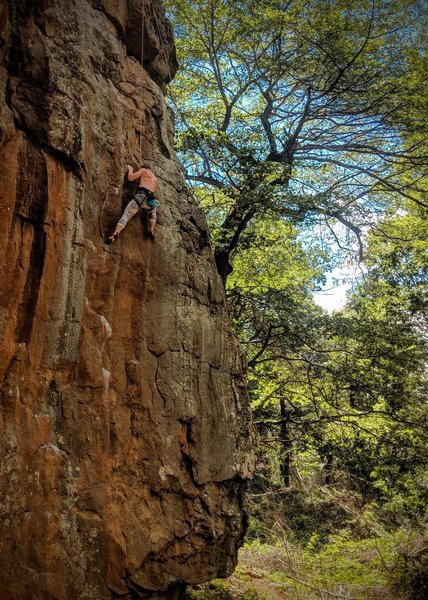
x: 126, y: 437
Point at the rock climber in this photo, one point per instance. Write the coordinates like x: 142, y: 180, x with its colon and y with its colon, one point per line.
x: 144, y: 199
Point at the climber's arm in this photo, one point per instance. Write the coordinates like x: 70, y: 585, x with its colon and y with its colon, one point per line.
x: 133, y: 176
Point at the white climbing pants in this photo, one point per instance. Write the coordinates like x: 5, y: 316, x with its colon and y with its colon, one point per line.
x: 131, y: 209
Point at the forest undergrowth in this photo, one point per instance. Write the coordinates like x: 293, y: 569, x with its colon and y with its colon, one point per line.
x: 302, y: 131
x: 319, y: 543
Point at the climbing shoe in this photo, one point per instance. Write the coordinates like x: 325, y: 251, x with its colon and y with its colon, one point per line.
x: 112, y: 239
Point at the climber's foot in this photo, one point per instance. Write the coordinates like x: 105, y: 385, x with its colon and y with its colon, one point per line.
x: 152, y: 234
x: 112, y: 239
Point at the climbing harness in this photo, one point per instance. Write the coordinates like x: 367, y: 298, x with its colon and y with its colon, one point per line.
x: 145, y: 199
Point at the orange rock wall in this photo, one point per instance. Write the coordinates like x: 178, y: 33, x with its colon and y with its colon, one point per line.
x: 125, y: 433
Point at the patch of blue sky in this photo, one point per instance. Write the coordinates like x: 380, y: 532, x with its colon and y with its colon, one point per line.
x: 333, y: 294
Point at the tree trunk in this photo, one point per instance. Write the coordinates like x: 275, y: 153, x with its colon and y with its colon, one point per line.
x: 285, y: 440
x: 328, y: 469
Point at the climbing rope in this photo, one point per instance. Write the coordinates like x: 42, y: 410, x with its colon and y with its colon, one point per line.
x: 143, y: 13
x: 143, y: 18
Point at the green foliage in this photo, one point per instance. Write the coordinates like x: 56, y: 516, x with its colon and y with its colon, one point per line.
x: 377, y: 566
x: 216, y: 590
x: 313, y: 110
x: 302, y: 128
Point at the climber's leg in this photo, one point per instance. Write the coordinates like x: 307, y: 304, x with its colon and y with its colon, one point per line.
x: 131, y: 209
x: 152, y: 229
x: 152, y: 223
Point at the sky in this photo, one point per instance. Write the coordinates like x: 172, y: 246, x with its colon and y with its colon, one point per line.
x: 332, y: 295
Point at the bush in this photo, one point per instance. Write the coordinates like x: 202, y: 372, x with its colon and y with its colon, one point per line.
x: 210, y: 591
x: 411, y: 571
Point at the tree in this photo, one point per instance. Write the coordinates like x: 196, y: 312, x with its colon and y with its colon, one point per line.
x: 296, y: 119
x: 294, y: 107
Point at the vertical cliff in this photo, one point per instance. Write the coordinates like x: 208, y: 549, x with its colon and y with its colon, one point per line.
x: 125, y: 434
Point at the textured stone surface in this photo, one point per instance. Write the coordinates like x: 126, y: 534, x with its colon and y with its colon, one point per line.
x: 125, y: 435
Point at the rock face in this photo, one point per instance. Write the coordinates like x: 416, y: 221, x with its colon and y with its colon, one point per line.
x: 125, y: 434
